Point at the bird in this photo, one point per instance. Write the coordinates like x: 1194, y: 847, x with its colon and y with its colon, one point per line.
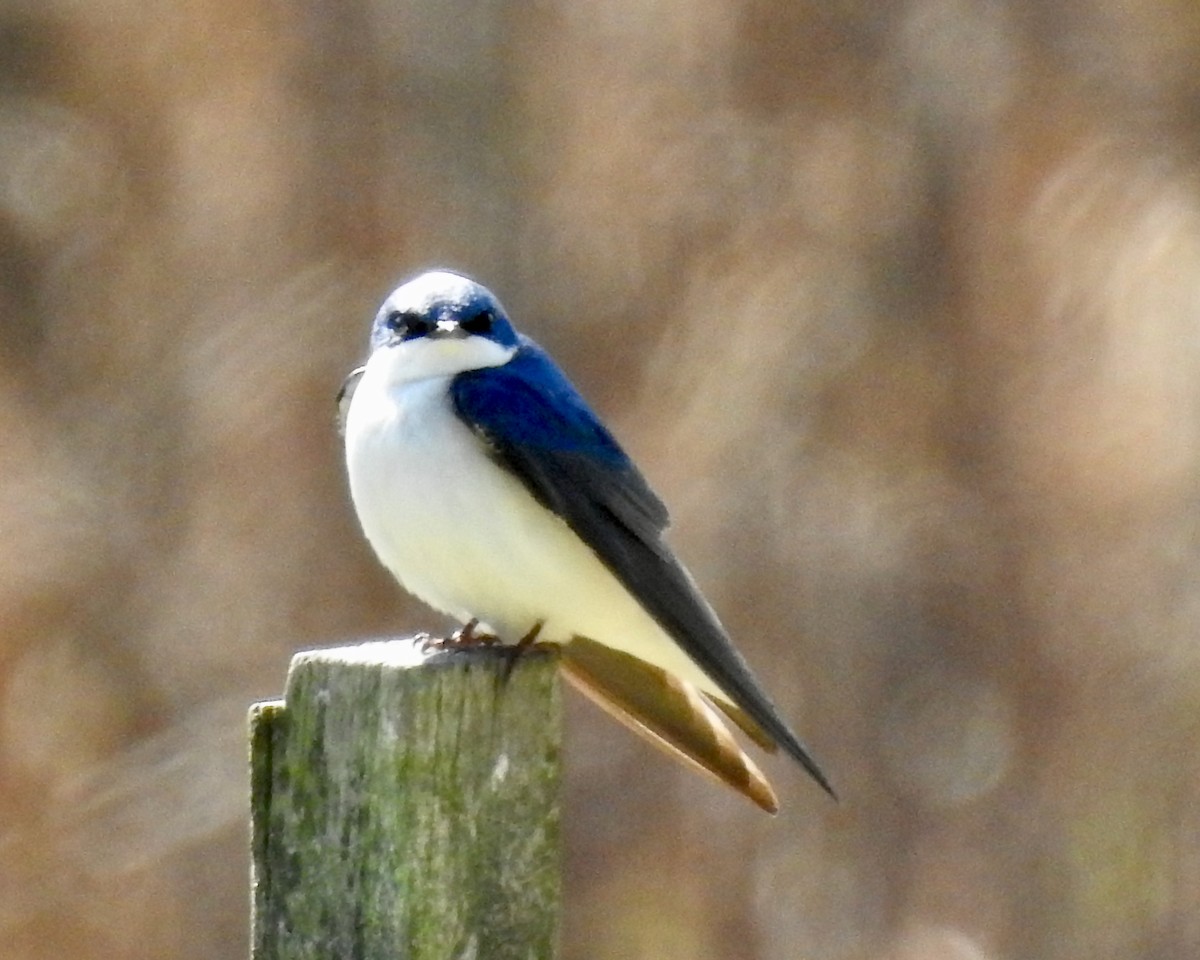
x: 491, y: 491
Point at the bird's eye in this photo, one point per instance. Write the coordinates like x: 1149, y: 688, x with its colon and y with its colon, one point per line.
x: 480, y: 322
x: 407, y: 325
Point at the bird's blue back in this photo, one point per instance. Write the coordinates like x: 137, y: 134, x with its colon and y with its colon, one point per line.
x: 534, y: 422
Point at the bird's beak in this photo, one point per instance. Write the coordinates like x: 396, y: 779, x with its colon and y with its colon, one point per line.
x: 447, y: 330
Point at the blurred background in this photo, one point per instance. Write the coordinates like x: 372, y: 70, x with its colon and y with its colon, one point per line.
x: 896, y: 304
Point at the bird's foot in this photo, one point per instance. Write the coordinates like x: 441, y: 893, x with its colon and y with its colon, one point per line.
x: 531, y: 637
x: 514, y: 652
x: 466, y: 637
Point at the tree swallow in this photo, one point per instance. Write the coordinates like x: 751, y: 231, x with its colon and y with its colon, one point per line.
x: 492, y: 492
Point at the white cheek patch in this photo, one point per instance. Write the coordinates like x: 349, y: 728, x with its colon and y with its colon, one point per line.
x: 424, y: 358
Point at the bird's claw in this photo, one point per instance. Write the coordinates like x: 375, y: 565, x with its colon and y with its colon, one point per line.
x: 531, y: 637
x: 466, y: 637
x: 514, y: 652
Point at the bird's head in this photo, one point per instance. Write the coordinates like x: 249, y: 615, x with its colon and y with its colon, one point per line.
x: 440, y: 324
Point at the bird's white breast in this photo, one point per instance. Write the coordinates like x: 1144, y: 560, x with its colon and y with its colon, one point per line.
x: 465, y: 535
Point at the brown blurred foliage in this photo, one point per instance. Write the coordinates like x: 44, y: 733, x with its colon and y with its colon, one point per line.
x: 897, y: 304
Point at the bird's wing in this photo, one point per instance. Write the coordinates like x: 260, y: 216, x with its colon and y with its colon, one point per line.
x: 345, y: 395
x: 535, y: 424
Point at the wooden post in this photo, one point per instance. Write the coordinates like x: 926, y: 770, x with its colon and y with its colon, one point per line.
x: 405, y: 805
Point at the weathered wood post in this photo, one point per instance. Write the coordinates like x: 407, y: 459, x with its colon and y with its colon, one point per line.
x: 405, y: 805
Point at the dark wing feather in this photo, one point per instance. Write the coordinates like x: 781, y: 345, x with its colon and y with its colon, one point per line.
x: 535, y: 423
